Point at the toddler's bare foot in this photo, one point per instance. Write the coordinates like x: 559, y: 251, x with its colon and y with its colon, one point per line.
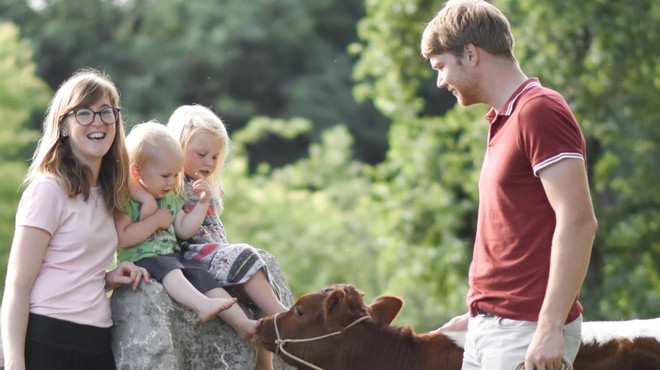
x: 214, y: 307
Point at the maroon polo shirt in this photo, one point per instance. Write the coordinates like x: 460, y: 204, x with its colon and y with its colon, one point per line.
x: 509, y: 271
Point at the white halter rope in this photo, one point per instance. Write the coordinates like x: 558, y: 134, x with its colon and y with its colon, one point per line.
x: 281, y: 342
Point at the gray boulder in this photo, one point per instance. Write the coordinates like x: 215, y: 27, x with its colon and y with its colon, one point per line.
x: 153, y: 332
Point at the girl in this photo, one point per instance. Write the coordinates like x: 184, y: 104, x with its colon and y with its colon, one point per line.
x: 205, y: 143
x: 55, y: 311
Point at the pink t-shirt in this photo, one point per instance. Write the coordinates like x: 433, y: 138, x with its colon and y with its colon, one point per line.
x: 71, y: 282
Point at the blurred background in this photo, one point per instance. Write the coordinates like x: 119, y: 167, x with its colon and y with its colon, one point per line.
x: 348, y: 164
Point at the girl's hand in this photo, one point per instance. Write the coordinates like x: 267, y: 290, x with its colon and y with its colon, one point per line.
x: 126, y: 273
x: 202, y: 189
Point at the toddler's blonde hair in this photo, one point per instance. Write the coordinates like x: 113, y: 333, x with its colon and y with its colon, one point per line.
x: 148, y: 141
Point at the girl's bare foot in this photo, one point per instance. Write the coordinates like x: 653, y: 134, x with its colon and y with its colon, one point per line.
x: 214, y: 307
x: 247, y: 329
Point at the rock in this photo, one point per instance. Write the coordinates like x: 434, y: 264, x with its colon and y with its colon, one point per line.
x: 152, y: 332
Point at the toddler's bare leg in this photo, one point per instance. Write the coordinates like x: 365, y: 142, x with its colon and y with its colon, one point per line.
x: 180, y: 289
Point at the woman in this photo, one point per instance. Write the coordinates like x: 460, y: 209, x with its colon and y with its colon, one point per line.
x: 55, y: 310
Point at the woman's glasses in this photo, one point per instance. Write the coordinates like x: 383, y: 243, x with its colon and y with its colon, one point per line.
x: 85, y: 116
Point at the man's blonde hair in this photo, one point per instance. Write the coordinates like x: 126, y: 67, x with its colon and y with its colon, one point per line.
x: 461, y: 22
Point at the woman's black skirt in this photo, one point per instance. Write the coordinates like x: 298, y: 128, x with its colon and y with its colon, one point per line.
x: 53, y: 344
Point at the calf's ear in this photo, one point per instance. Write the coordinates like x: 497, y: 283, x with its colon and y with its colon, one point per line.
x: 334, y: 309
x: 384, y: 308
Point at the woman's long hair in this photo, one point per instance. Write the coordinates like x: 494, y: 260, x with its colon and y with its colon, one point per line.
x: 53, y: 156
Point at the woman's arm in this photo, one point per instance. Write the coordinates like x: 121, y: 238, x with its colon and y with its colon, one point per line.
x: 25, y: 259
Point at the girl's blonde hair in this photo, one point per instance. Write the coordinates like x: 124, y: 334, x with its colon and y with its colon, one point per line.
x: 190, y: 120
x: 148, y: 141
x: 53, y: 155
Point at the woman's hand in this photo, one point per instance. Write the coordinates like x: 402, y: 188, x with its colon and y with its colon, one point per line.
x: 126, y: 273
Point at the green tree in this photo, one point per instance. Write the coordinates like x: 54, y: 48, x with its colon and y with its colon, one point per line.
x: 600, y: 55
x: 304, y: 213
x: 427, y: 196
x: 21, y: 94
x: 279, y: 58
x: 406, y: 225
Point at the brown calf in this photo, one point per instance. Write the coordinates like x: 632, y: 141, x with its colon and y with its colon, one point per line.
x: 332, y: 337
x: 334, y: 330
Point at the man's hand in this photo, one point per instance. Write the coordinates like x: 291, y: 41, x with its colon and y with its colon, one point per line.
x: 458, y: 323
x: 545, y: 350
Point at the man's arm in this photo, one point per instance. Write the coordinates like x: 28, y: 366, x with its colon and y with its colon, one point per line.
x: 567, y: 189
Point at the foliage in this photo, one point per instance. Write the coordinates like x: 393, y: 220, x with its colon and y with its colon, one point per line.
x: 9, y: 196
x: 604, y: 63
x: 600, y: 56
x: 245, y: 59
x: 304, y: 213
x: 21, y: 94
x: 279, y: 74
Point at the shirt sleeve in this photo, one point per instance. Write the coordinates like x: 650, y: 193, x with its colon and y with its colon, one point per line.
x: 549, y: 132
x: 41, y: 205
x: 174, y: 202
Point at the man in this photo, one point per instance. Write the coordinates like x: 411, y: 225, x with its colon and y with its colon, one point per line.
x: 536, y: 222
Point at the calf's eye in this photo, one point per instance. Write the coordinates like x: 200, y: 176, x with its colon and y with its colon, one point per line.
x: 298, y: 311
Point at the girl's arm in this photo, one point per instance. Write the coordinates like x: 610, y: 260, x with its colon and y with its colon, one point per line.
x: 134, y: 233
x: 25, y: 259
x: 187, y: 224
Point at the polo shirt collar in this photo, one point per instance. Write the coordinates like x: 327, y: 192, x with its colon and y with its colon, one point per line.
x: 510, y: 105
